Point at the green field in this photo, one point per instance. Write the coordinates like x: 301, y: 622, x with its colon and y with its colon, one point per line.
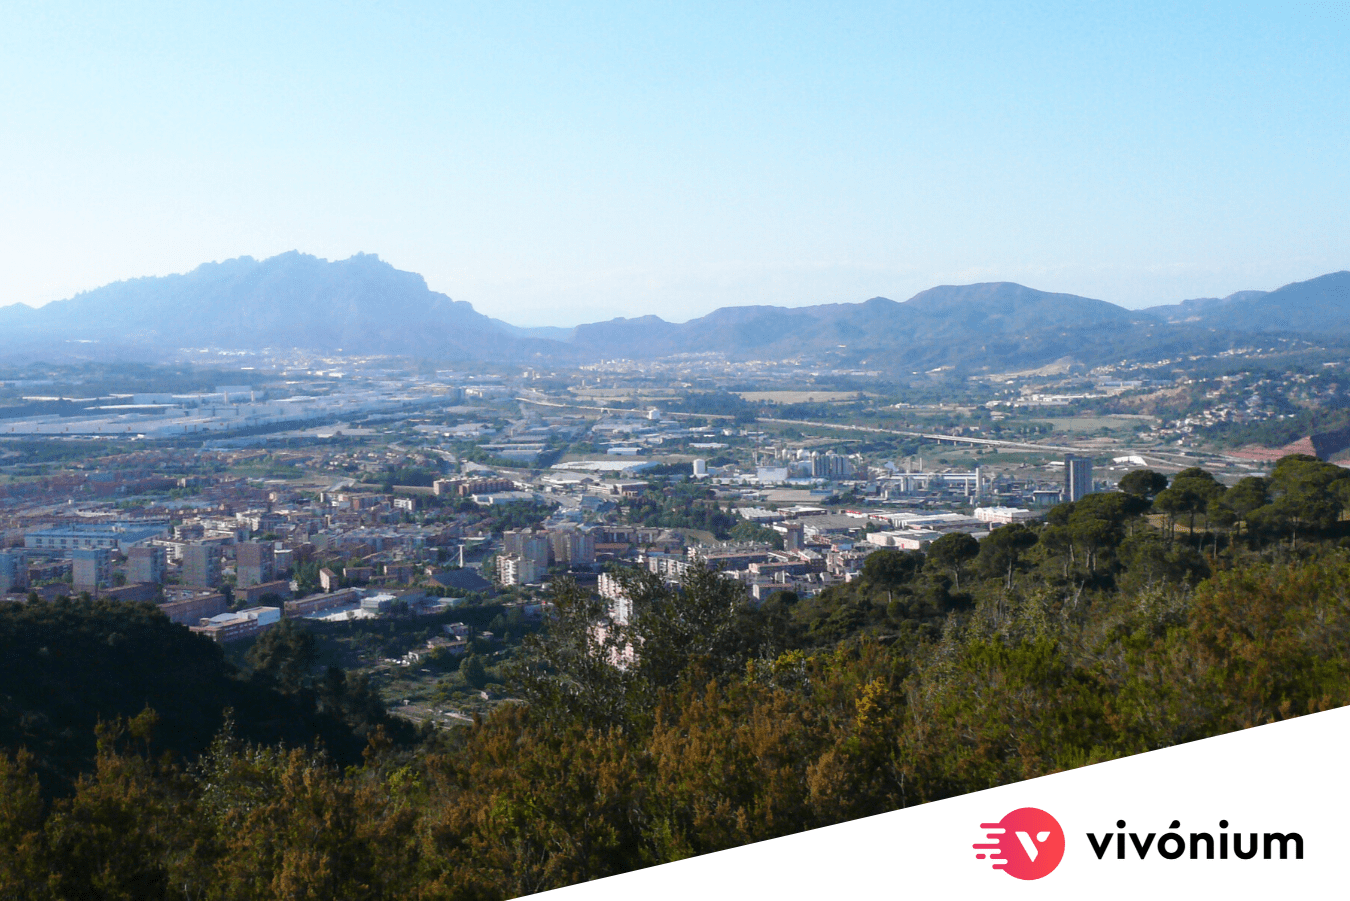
x: 798, y: 397
x: 1120, y: 422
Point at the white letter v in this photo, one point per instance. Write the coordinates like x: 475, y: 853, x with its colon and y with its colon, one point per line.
x: 1028, y: 845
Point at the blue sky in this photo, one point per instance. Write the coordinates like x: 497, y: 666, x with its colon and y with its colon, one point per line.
x: 557, y: 163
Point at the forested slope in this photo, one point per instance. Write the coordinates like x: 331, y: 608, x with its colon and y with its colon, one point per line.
x: 1129, y: 621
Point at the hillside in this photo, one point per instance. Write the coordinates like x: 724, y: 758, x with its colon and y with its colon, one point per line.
x: 71, y: 664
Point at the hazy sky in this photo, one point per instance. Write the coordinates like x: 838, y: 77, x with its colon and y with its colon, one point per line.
x: 556, y: 163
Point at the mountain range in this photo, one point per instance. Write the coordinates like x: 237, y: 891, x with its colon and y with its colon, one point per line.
x: 364, y: 305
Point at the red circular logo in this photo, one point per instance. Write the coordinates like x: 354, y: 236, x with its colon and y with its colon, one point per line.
x: 1027, y: 843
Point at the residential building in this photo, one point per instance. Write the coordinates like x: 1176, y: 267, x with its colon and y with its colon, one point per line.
x: 611, y: 589
x: 670, y: 567
x: 831, y: 466
x: 13, y: 571
x: 400, y: 572
x: 573, y: 547
x: 533, y: 546
x: 201, y: 565
x: 146, y: 564
x: 514, y: 570
x: 91, y: 568
x: 1077, y: 477
x: 470, y: 487
x: 358, y: 573
x: 253, y: 563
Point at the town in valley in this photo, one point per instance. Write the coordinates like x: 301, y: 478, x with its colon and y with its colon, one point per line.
x: 415, y: 517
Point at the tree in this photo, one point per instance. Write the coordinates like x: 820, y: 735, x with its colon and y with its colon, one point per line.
x: 116, y: 835
x: 1094, y: 532
x: 890, y: 568
x: 952, y: 552
x: 749, y: 531
x: 691, y: 627
x: 23, y: 872
x: 566, y: 672
x: 1113, y: 506
x: 1001, y: 551
x: 1057, y: 541
x: 475, y: 674
x: 1306, y: 495
x: 1247, y: 495
x: 1097, y: 522
x: 1195, y: 489
x: 1150, y: 559
x: 1173, y: 504
x: 610, y: 674
x: 1059, y: 514
x: 285, y: 654
x: 1191, y: 492
x: 1143, y: 483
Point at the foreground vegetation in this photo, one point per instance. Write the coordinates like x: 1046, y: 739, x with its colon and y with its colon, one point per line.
x: 1130, y: 621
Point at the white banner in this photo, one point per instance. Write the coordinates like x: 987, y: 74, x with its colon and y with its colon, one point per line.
x: 1254, y: 814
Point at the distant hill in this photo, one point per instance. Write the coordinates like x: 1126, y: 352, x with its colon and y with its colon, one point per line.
x: 991, y: 325
x: 994, y: 324
x: 1197, y: 309
x: 549, y: 332
x: 361, y: 305
x: 1319, y: 306
x: 364, y: 305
